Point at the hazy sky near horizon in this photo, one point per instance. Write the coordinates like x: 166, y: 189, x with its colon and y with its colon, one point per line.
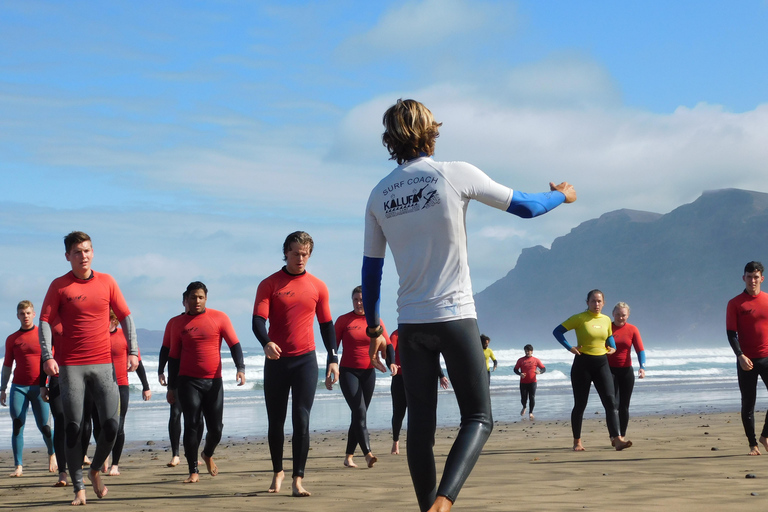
x: 189, y: 137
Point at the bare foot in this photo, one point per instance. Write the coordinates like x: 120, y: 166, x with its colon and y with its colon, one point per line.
x: 530, y: 416
x: 348, y: 462
x: 395, y: 448
x: 577, y: 446
x: 52, y: 466
x: 622, y: 444
x: 193, y: 478
x: 522, y: 412
x: 213, y: 469
x: 298, y: 490
x: 174, y: 462
x: 62, y: 480
x: 113, y: 471
x: 277, y: 481
x: 86, y: 461
x: 98, y: 487
x: 79, y: 498
x: 441, y: 504
x: 371, y: 459
x: 764, y: 442
x: 17, y: 473
x: 105, y: 466
x: 754, y: 451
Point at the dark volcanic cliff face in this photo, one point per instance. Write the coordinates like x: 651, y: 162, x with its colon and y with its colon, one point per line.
x: 676, y: 271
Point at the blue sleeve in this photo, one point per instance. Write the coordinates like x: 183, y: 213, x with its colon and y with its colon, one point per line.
x: 372, y: 269
x: 559, y: 334
x: 532, y: 205
x: 611, y: 342
x: 641, y: 357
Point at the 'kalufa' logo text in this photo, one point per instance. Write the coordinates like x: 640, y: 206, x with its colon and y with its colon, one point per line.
x: 418, y: 200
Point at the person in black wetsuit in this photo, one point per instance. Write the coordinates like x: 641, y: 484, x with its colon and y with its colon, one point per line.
x: 419, y: 211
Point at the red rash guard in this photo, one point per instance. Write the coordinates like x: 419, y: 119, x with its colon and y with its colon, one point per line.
x: 196, y: 342
x: 528, y: 366
x: 290, y: 303
x: 625, y: 337
x: 393, y: 338
x: 169, y: 330
x: 748, y: 316
x: 350, y: 331
x: 24, y: 348
x: 120, y: 356
x: 83, y: 305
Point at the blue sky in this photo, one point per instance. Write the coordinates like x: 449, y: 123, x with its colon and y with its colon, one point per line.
x: 188, y: 138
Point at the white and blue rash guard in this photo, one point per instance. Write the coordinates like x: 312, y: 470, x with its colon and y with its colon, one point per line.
x: 419, y: 209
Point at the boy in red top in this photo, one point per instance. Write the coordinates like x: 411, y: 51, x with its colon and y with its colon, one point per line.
x: 24, y: 348
x: 528, y: 368
x: 194, y: 371
x: 746, y: 324
x: 290, y: 299
x: 81, y: 300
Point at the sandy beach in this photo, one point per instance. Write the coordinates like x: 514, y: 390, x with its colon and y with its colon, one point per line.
x: 684, y: 462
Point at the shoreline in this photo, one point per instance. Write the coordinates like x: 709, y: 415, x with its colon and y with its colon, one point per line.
x: 681, y: 461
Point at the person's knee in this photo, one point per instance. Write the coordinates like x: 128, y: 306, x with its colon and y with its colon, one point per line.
x: 18, y: 425
x: 46, y: 430
x: 109, y: 429
x: 72, y: 434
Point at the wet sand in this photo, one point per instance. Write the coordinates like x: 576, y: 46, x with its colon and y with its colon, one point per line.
x: 684, y: 462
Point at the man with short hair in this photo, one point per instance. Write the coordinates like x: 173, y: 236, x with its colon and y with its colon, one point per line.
x: 194, y: 372
x: 23, y: 347
x: 81, y: 300
x: 290, y: 299
x: 746, y: 324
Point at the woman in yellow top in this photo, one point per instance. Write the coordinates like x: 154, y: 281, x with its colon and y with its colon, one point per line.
x: 590, y: 364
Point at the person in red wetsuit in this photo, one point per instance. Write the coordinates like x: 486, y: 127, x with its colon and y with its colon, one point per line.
x: 357, y: 376
x: 23, y: 348
x: 81, y: 300
x: 626, y: 336
x: 194, y: 371
x: 397, y: 391
x: 290, y: 299
x: 746, y: 324
x: 528, y: 367
x: 119, y: 361
x: 174, y: 421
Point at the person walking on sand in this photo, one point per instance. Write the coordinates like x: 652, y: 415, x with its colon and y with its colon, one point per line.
x: 528, y: 368
x: 419, y: 210
x: 23, y: 348
x: 194, y: 374
x: 626, y: 336
x: 119, y: 355
x: 290, y: 299
x: 590, y: 364
x: 746, y: 324
x: 357, y: 377
x: 81, y: 300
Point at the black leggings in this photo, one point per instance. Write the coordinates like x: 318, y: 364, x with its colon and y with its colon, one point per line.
x: 587, y: 369
x: 420, y: 346
x: 399, y: 405
x: 174, y: 426
x: 748, y: 388
x: 297, y: 376
x: 623, y: 384
x: 528, y: 395
x: 357, y: 385
x: 117, y: 450
x: 198, y: 396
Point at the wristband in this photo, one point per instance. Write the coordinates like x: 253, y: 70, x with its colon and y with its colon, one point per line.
x: 374, y: 332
